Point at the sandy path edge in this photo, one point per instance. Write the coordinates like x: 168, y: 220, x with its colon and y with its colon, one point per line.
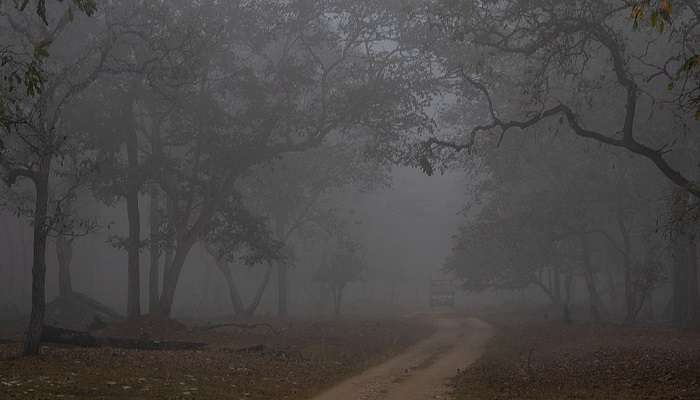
x: 422, y: 371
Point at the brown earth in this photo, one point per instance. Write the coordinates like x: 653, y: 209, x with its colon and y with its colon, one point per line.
x: 295, y: 361
x: 423, y: 371
x: 548, y: 360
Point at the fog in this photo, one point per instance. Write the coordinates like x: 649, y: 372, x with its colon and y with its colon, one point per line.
x: 320, y: 160
x: 406, y: 229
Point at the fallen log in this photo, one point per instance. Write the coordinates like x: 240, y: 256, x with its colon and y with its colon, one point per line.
x: 240, y: 326
x: 268, y: 351
x: 52, y: 334
x: 258, y: 348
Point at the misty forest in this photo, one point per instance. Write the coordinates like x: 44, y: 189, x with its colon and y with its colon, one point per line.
x: 350, y: 199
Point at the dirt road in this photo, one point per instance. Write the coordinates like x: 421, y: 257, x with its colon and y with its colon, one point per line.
x: 421, y: 372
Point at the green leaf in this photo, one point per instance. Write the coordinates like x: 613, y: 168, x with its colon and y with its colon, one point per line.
x: 426, y: 166
x: 23, y: 5
x: 87, y: 6
x: 33, y: 79
x: 690, y: 63
x: 41, y: 49
x: 41, y: 10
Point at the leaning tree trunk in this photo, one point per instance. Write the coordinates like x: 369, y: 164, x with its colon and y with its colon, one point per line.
x: 257, y: 298
x: 238, y: 308
x: 36, y: 320
x: 171, y: 276
x: 155, y: 252
x: 234, y: 296
x: 64, y: 255
x: 185, y: 238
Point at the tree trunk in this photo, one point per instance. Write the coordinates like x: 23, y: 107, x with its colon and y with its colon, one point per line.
x: 255, y: 303
x: 36, y: 320
x: 679, y: 245
x: 569, y: 296
x: 557, y: 284
x: 133, y: 244
x: 282, y: 294
x: 631, y: 295
x: 168, y: 258
x: 155, y: 252
x: 337, y: 300
x: 64, y: 255
x: 235, y: 297
x: 133, y: 308
x: 171, y: 276
x: 238, y: 307
x: 693, y: 295
x: 169, y: 253
x: 568, y: 289
x: 185, y: 236
x: 649, y: 306
x: 589, y: 277
x: 613, y: 294
x: 323, y: 299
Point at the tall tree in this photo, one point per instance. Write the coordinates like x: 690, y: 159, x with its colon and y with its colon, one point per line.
x: 304, y: 79
x: 343, y: 263
x: 297, y: 189
x: 549, y: 211
x: 575, y: 61
x: 237, y: 235
x: 29, y: 149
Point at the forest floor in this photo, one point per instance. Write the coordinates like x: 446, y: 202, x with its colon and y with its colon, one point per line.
x: 549, y: 360
x: 422, y: 372
x: 293, y: 360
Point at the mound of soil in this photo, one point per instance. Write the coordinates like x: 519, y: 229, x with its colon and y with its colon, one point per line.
x: 79, y: 312
x: 150, y: 327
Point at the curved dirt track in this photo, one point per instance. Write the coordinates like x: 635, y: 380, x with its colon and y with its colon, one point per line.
x: 423, y: 371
